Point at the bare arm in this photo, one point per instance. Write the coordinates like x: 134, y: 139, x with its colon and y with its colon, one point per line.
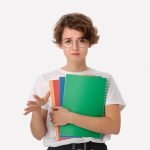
x: 110, y: 124
x: 38, y: 123
x: 39, y: 116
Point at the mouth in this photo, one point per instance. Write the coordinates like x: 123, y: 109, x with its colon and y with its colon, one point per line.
x: 75, y: 54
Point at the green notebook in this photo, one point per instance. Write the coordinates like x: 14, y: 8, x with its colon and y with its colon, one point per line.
x: 84, y: 95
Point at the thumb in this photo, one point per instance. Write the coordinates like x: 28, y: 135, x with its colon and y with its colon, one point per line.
x: 46, y: 97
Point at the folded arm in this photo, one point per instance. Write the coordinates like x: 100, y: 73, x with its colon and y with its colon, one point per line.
x: 110, y: 124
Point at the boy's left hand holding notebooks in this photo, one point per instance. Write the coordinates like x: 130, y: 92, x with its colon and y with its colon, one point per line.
x: 63, y: 116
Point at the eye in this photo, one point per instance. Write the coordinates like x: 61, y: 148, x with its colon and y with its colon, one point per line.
x: 82, y: 40
x: 67, y: 41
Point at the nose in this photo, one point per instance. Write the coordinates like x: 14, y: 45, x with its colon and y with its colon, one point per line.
x: 75, y: 45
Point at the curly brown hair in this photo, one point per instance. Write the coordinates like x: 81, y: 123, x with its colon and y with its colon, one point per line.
x: 79, y: 22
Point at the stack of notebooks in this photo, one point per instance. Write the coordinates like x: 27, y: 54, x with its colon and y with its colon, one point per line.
x: 85, y: 95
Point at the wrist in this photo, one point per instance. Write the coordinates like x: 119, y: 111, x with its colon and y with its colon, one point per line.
x: 37, y: 111
x: 71, y: 117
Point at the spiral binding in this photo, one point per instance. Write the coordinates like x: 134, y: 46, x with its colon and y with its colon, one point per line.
x: 106, y: 90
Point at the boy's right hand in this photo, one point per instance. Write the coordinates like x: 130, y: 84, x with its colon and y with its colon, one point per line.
x: 36, y: 104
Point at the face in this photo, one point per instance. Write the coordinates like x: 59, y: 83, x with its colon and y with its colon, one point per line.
x: 75, y: 47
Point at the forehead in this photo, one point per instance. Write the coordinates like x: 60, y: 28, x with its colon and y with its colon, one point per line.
x: 71, y: 33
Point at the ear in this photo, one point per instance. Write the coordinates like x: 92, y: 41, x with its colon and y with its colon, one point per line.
x: 59, y: 46
x: 90, y: 45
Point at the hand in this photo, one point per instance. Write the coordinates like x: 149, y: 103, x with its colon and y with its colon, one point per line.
x: 60, y: 116
x: 36, y: 104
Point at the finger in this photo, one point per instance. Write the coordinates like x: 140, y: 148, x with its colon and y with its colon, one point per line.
x: 51, y: 113
x: 55, y: 125
x: 56, y: 107
x: 46, y: 97
x: 39, y: 100
x: 27, y: 112
x: 53, y: 121
x: 37, y: 97
x: 51, y: 117
x: 30, y: 108
x: 27, y: 109
x: 31, y: 103
x: 88, y: 75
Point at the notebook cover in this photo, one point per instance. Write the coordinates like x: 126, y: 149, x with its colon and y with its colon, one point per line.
x: 84, y: 95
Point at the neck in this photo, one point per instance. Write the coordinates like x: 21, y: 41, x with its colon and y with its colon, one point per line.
x: 75, y: 67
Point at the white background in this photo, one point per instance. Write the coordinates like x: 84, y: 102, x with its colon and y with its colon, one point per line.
x: 26, y: 51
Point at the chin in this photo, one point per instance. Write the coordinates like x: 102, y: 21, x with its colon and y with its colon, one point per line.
x: 76, y: 60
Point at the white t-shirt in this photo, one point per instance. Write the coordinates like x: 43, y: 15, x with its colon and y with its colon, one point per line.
x: 41, y: 87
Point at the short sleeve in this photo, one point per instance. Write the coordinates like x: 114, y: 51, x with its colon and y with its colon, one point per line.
x: 114, y: 95
x: 39, y: 89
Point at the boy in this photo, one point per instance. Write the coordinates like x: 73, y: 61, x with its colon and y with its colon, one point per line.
x: 74, y: 33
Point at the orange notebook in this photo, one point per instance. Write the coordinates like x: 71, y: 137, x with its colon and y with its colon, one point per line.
x: 54, y: 89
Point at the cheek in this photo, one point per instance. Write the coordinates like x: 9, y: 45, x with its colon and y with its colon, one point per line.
x: 66, y: 53
x: 84, y: 53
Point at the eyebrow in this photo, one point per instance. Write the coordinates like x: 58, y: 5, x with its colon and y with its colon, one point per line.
x: 71, y: 38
